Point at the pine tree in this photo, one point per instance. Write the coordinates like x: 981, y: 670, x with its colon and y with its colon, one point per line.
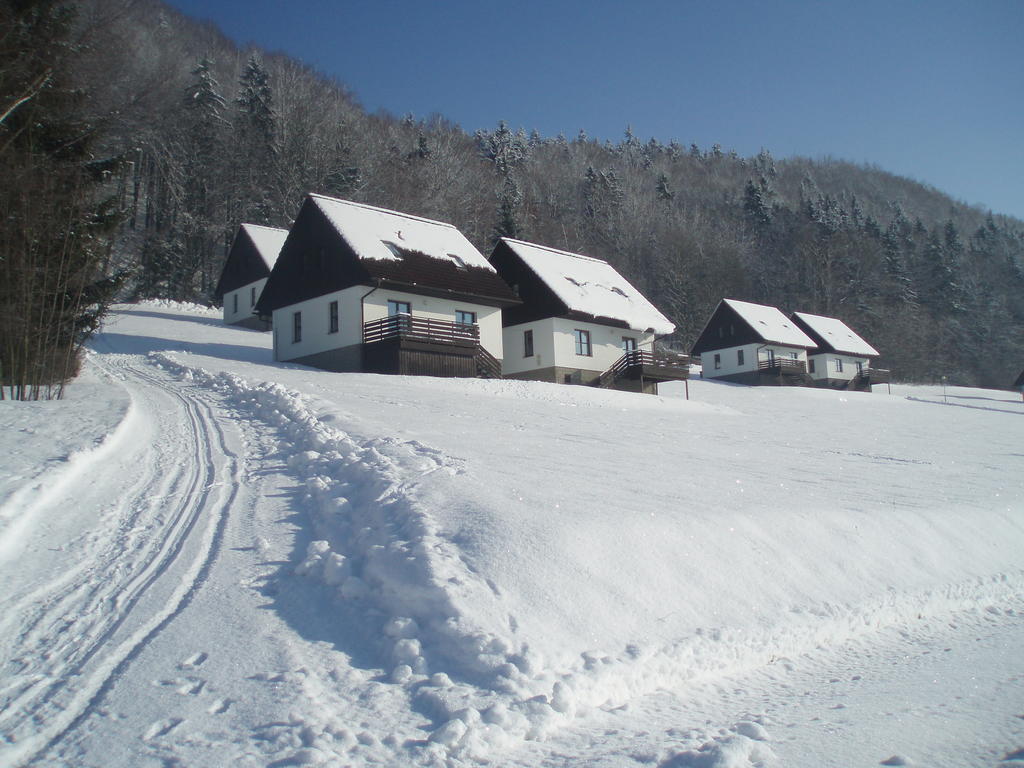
x: 662, y: 190
x: 756, y: 202
x: 509, y: 201
x: 58, y: 216
x: 254, y: 145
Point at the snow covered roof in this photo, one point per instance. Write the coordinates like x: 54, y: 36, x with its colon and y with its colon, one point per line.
x: 362, y: 245
x: 836, y: 334
x: 268, y: 241
x: 590, y: 286
x: 770, y: 324
x: 382, y: 235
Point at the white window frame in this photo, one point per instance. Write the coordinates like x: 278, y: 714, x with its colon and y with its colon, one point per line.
x: 584, y: 348
x: 395, y: 305
x: 528, y: 343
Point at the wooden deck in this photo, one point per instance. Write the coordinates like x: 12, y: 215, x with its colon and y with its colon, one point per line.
x: 420, y: 346
x: 647, y: 366
x: 782, y: 367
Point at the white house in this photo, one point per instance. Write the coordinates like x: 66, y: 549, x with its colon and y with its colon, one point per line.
x: 252, y: 256
x: 358, y: 288
x: 753, y: 344
x: 842, y: 359
x: 580, y: 322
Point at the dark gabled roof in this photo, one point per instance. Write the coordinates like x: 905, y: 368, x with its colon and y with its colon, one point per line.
x: 833, y: 335
x: 252, y: 255
x: 734, y: 323
x: 336, y: 244
x: 555, y: 283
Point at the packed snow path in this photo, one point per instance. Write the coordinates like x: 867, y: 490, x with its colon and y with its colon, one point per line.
x: 355, y: 570
x: 104, y: 588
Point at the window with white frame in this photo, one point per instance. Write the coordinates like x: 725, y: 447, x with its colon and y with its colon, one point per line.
x: 718, y: 361
x: 462, y: 317
x: 628, y: 344
x: 332, y: 317
x: 839, y: 364
x: 398, y: 308
x: 582, y: 342
x: 739, y: 357
x: 528, y: 343
x: 296, y: 327
x: 400, y: 313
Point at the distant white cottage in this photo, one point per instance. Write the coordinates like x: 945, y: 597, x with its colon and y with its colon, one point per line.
x: 580, y: 322
x: 842, y: 359
x: 753, y: 344
x: 359, y: 288
x: 252, y: 256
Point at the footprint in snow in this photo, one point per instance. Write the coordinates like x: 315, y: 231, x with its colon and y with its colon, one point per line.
x: 193, y: 661
x: 220, y: 706
x: 162, y: 728
x: 192, y: 686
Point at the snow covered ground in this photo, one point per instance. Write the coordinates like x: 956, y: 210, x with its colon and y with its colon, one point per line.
x: 211, y: 559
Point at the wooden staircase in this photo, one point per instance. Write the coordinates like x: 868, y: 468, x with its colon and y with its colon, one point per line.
x: 487, y: 365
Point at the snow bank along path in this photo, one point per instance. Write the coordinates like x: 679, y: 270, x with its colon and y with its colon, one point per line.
x: 164, y: 482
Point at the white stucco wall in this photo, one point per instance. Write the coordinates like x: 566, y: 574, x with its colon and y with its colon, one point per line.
x: 728, y: 358
x: 354, y: 310
x: 315, y: 319
x: 825, y: 366
x: 752, y: 355
x: 554, y: 344
x: 246, y: 304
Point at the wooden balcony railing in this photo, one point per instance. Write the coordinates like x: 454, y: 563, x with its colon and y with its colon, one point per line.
x: 420, y: 329
x: 782, y: 366
x: 667, y: 361
x: 875, y: 375
x: 656, y: 365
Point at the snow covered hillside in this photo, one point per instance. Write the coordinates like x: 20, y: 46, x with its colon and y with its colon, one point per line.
x: 212, y: 559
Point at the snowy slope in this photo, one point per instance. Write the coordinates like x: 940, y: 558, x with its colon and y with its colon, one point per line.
x: 263, y: 564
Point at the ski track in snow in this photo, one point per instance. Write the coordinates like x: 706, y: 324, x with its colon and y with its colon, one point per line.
x: 78, y: 633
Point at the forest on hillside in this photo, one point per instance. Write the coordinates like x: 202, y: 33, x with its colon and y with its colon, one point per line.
x: 140, y: 139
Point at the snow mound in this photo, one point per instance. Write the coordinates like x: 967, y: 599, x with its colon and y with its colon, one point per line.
x: 184, y: 307
x: 744, y: 746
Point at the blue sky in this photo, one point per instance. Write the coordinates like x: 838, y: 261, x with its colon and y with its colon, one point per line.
x: 932, y: 90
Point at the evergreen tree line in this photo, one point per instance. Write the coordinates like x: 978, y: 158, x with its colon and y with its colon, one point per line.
x: 199, y: 136
x: 57, y: 215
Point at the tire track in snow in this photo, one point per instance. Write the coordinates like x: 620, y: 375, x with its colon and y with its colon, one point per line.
x: 75, y: 661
